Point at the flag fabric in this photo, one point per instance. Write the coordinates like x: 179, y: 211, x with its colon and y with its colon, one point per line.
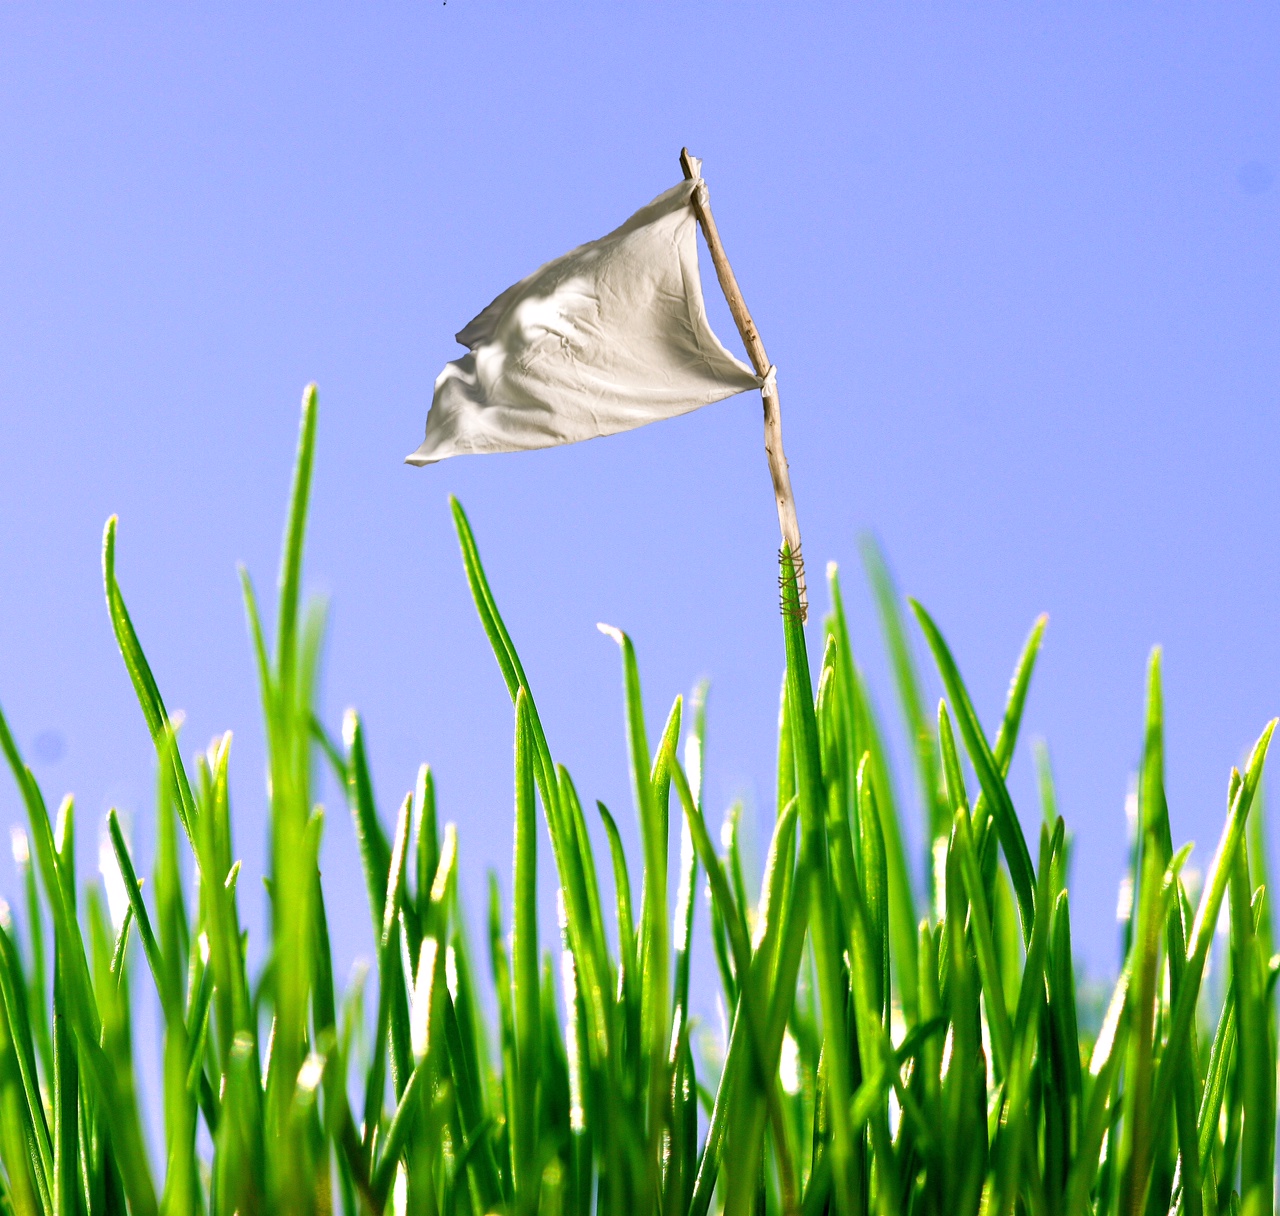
x: 608, y: 337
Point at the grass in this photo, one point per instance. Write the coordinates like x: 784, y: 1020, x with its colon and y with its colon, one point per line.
x: 904, y: 1034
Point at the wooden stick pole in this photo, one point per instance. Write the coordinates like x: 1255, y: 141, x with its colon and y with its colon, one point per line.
x: 692, y: 167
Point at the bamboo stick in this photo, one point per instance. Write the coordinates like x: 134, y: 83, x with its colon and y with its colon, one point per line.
x: 778, y: 470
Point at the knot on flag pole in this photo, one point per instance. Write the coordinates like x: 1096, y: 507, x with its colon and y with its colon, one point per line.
x: 769, y: 385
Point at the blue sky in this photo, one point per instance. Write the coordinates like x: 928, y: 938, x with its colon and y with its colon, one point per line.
x: 1017, y: 267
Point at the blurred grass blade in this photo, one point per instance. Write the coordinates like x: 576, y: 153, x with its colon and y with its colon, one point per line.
x: 907, y: 681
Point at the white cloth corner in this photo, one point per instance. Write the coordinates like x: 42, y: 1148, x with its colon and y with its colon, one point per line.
x: 608, y: 337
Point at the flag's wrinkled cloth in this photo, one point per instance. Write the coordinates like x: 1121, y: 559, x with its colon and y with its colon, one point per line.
x: 610, y: 336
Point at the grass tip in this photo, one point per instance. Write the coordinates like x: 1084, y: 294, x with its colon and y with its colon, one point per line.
x: 109, y: 546
x: 112, y: 880
x: 21, y: 846
x: 610, y: 631
x: 448, y: 859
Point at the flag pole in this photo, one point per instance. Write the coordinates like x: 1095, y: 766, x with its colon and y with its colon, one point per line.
x: 692, y: 167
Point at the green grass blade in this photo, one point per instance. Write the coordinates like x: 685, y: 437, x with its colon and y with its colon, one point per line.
x: 500, y: 965
x: 875, y: 890
x: 622, y: 896
x: 591, y: 916
x: 25, y: 1162
x: 1154, y: 814
x: 37, y: 982
x: 1205, y: 924
x: 390, y: 983
x: 294, y: 537
x: 150, y: 946
x: 827, y: 952
x: 428, y: 1007
x: 66, y: 1083
x: 655, y: 1000
x: 963, y: 1097
x: 1141, y: 1115
x: 526, y: 999
x: 1017, y: 1164
x: 585, y: 936
x: 863, y: 735
x: 425, y: 835
x: 253, y: 617
x: 144, y: 682
x: 988, y: 767
x: 750, y: 1004
x: 13, y: 1011
x: 505, y: 652
x: 983, y: 944
x: 682, y: 926
x: 1255, y: 1044
x: 375, y: 849
x: 1063, y: 1107
x: 1215, y: 1085
x: 784, y: 909
x: 902, y: 908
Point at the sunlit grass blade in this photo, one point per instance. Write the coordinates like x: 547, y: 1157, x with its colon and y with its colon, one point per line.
x: 388, y: 1043
x: 427, y: 1013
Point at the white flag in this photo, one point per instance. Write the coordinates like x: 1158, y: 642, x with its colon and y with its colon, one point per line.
x: 610, y: 336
